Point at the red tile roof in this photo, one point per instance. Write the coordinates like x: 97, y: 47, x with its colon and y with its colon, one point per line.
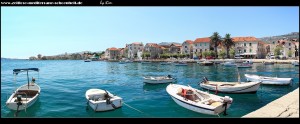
x: 242, y: 39
x: 200, y: 40
x: 136, y: 43
x: 189, y: 41
x: 113, y: 48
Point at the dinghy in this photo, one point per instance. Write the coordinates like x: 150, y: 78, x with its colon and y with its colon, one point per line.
x: 268, y: 80
x: 26, y: 95
x: 230, y: 87
x: 198, y: 101
x: 102, y: 100
x: 295, y: 63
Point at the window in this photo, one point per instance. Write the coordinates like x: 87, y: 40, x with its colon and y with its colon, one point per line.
x: 289, y: 48
x: 200, y: 44
x: 244, y: 50
x: 273, y: 42
x: 195, y: 44
x: 289, y: 44
x: 250, y: 44
x: 251, y: 50
x: 244, y: 44
x: 205, y: 45
x: 185, y: 46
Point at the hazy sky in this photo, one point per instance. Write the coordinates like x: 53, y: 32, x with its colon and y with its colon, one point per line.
x: 28, y: 31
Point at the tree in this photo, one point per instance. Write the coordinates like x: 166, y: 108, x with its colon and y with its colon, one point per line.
x: 232, y: 52
x: 39, y: 56
x: 222, y: 54
x: 290, y: 53
x: 215, y: 39
x: 277, y: 51
x: 228, y: 42
x: 204, y: 54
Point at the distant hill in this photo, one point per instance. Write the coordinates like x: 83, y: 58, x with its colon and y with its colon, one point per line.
x: 290, y: 36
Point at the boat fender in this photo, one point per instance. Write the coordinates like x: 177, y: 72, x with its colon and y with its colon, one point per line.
x: 183, y: 92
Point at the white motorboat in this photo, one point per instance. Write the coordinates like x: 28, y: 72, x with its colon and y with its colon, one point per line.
x: 122, y: 62
x: 87, y: 60
x: 145, y: 62
x: 166, y: 63
x: 181, y: 64
x: 230, y: 87
x: 268, y: 80
x: 26, y: 95
x: 295, y: 63
x: 198, y: 101
x: 159, y: 79
x: 229, y: 63
x: 102, y: 100
x: 244, y: 65
x: 248, y: 62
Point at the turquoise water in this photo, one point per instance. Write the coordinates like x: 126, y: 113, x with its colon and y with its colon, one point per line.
x: 64, y: 83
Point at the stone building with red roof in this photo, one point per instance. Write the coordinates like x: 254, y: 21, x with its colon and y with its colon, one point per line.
x: 154, y: 49
x: 249, y: 47
x: 201, y: 45
x: 112, y: 53
x: 187, y: 48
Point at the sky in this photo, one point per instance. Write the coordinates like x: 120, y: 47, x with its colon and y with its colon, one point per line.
x: 29, y: 31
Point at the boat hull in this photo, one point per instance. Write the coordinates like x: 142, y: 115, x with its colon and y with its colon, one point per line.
x: 158, y: 81
x: 268, y: 80
x: 12, y: 103
x: 103, y: 106
x: 250, y: 87
x: 195, y: 106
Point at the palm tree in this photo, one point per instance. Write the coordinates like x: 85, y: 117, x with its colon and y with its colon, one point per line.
x: 228, y: 42
x: 215, y: 39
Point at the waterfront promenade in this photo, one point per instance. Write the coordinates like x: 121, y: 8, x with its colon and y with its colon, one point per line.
x: 286, y: 106
x: 224, y: 60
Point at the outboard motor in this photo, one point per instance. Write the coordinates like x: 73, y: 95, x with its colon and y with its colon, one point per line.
x: 226, y: 100
x: 169, y: 76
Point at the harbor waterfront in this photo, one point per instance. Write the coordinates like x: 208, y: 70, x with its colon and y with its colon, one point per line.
x: 64, y: 83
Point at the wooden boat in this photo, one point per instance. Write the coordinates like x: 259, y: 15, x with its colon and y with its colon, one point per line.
x: 268, y: 80
x: 159, y: 79
x: 26, y: 95
x: 230, y: 87
x: 198, y: 101
x: 102, y: 100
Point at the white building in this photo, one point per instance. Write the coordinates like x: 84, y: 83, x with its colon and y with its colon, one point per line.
x: 134, y: 48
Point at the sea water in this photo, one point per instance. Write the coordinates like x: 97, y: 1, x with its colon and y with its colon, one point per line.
x: 64, y: 83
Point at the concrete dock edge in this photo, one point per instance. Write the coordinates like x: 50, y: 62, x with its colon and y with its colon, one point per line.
x: 286, y: 106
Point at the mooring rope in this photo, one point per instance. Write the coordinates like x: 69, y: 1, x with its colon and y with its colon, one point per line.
x: 135, y: 109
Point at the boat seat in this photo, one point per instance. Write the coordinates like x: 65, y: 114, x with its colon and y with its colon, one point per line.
x: 216, y: 104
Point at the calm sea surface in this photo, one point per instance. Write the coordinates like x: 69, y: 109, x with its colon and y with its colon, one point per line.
x: 64, y: 83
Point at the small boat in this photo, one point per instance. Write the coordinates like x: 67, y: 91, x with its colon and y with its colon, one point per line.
x: 229, y: 64
x: 206, y: 63
x: 230, y: 87
x: 166, y: 63
x: 244, y: 65
x: 87, y: 60
x: 198, y: 101
x: 181, y: 64
x: 268, y: 62
x: 295, y: 63
x: 248, y: 62
x: 102, y: 100
x: 268, y: 80
x: 159, y: 79
x: 122, y: 62
x: 26, y: 95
